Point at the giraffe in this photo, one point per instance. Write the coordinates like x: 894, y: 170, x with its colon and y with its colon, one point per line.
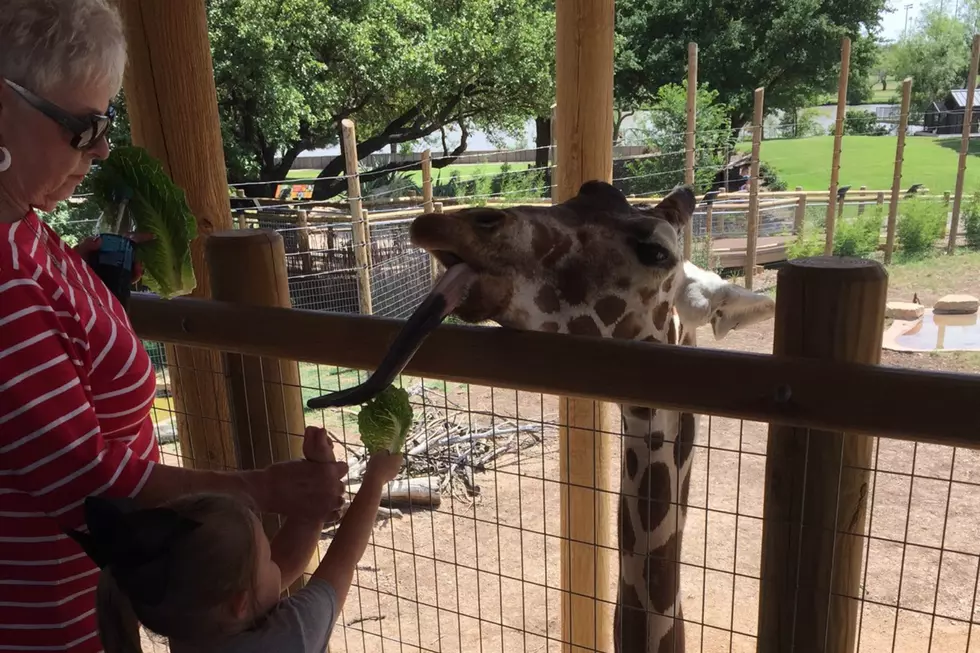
x: 596, y: 265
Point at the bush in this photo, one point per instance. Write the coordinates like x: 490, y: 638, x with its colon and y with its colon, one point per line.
x: 972, y: 222
x: 862, y: 123
x: 859, y: 236
x: 769, y: 178
x: 920, y: 223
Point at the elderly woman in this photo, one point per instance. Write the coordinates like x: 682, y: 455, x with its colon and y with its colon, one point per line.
x: 76, y: 385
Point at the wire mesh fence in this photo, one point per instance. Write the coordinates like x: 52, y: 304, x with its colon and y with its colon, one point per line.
x: 479, y: 569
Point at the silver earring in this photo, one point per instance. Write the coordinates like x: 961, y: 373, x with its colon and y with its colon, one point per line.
x: 5, y: 159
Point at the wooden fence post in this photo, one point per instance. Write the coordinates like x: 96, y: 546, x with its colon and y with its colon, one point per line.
x: 366, y: 225
x: 249, y: 267
x: 427, y: 181
x: 880, y: 199
x: 584, y: 89
x: 435, y: 268
x: 553, y: 154
x: 903, y: 125
x: 357, y: 223
x: 816, y: 484
x: 861, y: 200
x: 692, y: 99
x: 800, y: 216
x: 306, y: 260
x: 845, y: 66
x: 971, y: 90
x: 173, y: 113
x: 752, y: 230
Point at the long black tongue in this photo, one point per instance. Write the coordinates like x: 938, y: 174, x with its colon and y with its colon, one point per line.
x: 439, y: 303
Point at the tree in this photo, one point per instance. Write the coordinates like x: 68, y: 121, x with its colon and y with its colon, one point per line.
x: 289, y: 71
x: 936, y: 56
x: 791, y: 47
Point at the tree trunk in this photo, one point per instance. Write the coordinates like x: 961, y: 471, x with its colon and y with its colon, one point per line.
x: 542, y: 141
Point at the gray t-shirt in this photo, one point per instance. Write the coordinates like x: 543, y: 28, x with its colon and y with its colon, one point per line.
x: 301, y: 623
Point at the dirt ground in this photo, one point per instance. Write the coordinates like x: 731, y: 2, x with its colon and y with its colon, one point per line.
x: 484, y: 575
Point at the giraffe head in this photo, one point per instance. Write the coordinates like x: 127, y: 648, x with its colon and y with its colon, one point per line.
x: 593, y: 265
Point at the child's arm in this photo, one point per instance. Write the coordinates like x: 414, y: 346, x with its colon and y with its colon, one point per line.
x: 337, y: 566
x: 295, y: 544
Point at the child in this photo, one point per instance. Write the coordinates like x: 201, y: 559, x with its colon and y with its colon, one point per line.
x: 201, y: 571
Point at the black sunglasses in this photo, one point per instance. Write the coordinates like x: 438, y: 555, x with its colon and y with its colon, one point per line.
x: 85, y: 130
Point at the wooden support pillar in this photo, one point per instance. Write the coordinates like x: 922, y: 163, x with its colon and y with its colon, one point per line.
x: 358, y: 226
x: 816, y: 488
x: 173, y: 112
x: 752, y: 230
x: 845, y: 67
x: 971, y: 88
x: 584, y: 122
x: 800, y: 216
x: 692, y: 99
x: 553, y: 155
x: 427, y: 181
x: 903, y: 125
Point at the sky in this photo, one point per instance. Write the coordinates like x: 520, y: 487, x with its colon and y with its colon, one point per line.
x: 893, y: 22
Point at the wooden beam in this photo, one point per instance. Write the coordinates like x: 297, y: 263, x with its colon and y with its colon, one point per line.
x: 692, y: 100
x: 752, y: 230
x: 173, y: 113
x: 845, y: 67
x: 584, y: 123
x: 816, y: 483
x: 971, y: 88
x: 359, y: 231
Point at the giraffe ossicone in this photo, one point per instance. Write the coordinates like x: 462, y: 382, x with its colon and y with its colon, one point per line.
x: 596, y: 265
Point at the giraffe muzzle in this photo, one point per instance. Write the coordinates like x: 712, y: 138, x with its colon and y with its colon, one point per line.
x: 442, y: 300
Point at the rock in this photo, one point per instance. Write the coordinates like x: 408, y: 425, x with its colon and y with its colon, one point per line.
x: 904, y: 311
x: 956, y: 305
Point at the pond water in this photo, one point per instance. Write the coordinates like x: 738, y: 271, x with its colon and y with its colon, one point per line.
x: 938, y: 332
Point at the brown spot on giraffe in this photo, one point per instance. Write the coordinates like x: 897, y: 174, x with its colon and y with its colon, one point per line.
x: 673, y: 640
x: 583, y: 325
x: 660, y: 315
x: 685, y: 490
x: 647, y: 294
x: 563, y: 245
x: 655, y: 440
x: 610, y: 308
x: 684, y: 443
x: 652, y: 491
x: 629, y: 621
x: 632, y: 463
x: 627, y: 533
x: 667, y: 284
x: 661, y: 573
x: 542, y: 239
x: 547, y: 300
x: 573, y: 282
x: 629, y: 327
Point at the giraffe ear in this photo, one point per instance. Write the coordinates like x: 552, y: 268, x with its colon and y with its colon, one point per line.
x: 678, y: 207
x: 600, y: 196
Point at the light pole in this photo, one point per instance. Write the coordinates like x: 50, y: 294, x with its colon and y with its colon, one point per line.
x: 907, y: 7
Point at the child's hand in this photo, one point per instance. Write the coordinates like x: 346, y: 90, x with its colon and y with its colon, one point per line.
x: 383, y: 467
x: 317, y: 445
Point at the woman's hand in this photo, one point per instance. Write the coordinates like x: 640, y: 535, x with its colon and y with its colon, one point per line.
x: 318, y: 445
x: 91, y: 244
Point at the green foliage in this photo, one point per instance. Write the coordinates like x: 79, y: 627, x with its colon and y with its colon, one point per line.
x: 288, y: 71
x: 807, y: 244
x: 936, y: 56
x: 792, y: 48
x: 859, y: 236
x: 157, y: 206
x: 770, y: 178
x: 971, y: 221
x: 920, y: 223
x: 858, y: 122
x: 510, y: 185
x: 801, y: 123
x: 663, y: 131
x: 384, y: 421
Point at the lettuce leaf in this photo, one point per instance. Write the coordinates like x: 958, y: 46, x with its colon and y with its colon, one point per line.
x: 156, y: 206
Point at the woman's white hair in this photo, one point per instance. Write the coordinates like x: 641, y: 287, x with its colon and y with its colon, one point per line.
x: 45, y: 44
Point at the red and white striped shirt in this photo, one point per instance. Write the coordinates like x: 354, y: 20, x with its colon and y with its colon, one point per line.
x: 76, y: 389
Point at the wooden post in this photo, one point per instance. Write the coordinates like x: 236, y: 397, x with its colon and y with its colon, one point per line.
x: 880, y: 199
x: 173, y: 112
x: 435, y: 268
x: 903, y: 125
x: 845, y: 67
x: 584, y: 112
x: 971, y: 89
x: 553, y: 153
x: 800, y: 217
x: 427, y: 181
x: 692, y: 98
x: 368, y: 244
x: 816, y: 482
x: 709, y: 218
x: 306, y: 260
x: 357, y: 223
x: 242, y: 220
x: 861, y: 200
x: 249, y: 267
x: 752, y: 231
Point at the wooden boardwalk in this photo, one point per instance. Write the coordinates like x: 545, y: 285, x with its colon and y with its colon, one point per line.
x: 730, y: 252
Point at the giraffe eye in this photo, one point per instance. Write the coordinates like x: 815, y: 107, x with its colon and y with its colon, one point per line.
x: 652, y: 254
x: 488, y: 219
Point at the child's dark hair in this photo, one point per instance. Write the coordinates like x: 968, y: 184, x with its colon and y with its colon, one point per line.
x: 174, y: 568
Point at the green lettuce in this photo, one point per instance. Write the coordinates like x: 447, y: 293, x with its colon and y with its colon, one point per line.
x: 155, y: 206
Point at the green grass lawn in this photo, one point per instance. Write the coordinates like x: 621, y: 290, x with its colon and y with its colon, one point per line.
x: 869, y: 161
x: 466, y: 171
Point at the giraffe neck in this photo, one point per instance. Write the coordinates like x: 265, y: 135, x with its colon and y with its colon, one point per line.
x: 654, y: 486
